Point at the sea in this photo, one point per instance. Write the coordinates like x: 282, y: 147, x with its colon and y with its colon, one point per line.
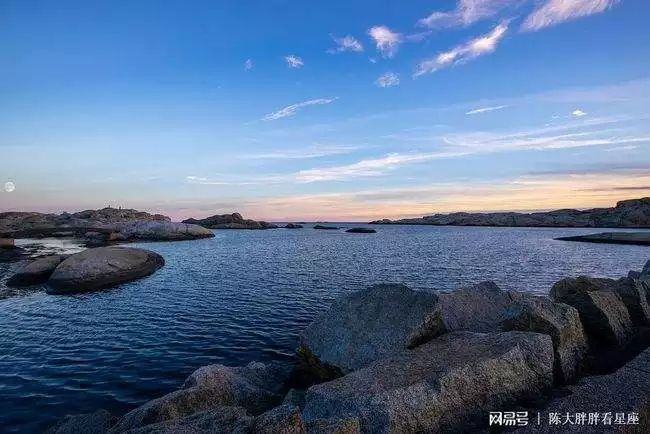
x: 245, y: 296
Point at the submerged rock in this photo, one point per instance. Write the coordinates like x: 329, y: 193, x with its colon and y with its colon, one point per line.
x: 326, y: 228
x: 102, y: 267
x: 447, y: 384
x: 99, y: 422
x: 36, y: 272
x: 361, y: 231
x: 603, y: 314
x: 367, y: 325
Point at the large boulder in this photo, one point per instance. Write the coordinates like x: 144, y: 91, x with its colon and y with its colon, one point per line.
x: 256, y: 388
x: 603, y: 314
x: 447, y: 384
x: 217, y: 420
x: 560, y: 321
x: 36, y: 272
x: 334, y: 426
x: 98, y: 422
x: 102, y: 267
x: 158, y: 230
x: 285, y: 419
x: 367, y: 325
x: 635, y: 297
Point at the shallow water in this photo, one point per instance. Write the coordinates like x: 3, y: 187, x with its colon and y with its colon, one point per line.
x: 244, y: 296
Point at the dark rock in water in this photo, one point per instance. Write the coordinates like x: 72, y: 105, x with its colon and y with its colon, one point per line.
x: 326, y: 228
x: 560, y: 321
x: 230, y: 221
x: 217, y: 420
x: 603, y: 314
x: 624, y: 392
x: 293, y: 226
x: 12, y: 254
x: 102, y: 267
x: 256, y: 388
x: 36, y: 272
x: 368, y: 325
x: 638, y: 238
x: 334, y: 426
x: 99, y: 422
x: 361, y: 231
x: 446, y: 385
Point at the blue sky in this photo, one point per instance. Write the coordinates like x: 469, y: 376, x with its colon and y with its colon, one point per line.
x: 323, y: 110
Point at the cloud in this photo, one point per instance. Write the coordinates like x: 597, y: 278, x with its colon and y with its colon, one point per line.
x: 554, y: 12
x: 293, y: 109
x: 386, y: 40
x: 622, y: 148
x: 485, y: 109
x: 294, y: 61
x: 480, y: 46
x: 316, y: 151
x: 347, y: 43
x: 388, y: 79
x: 578, y: 113
x: 468, y: 12
x: 248, y: 65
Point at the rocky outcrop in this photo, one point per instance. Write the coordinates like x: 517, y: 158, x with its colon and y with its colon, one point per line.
x: 293, y: 226
x: 230, y: 221
x: 445, y: 385
x: 367, y: 325
x: 603, y: 314
x: 216, y: 420
x: 36, y: 272
x: 326, y: 228
x: 637, y: 238
x: 102, y: 267
x: 633, y: 213
x: 159, y: 231
x: 99, y: 422
x: 361, y: 231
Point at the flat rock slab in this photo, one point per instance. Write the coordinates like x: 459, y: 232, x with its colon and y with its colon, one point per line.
x: 36, y: 272
x: 367, y: 325
x: 476, y: 308
x: 637, y: 238
x: 103, y: 267
x: 445, y: 385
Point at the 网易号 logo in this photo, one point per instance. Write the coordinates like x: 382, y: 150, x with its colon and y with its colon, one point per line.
x: 508, y: 418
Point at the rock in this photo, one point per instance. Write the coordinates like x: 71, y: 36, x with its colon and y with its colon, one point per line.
x: 98, y: 422
x: 326, y: 228
x: 295, y: 397
x: 36, y: 272
x: 13, y: 254
x: 102, y: 267
x: 367, y: 325
x: 635, y: 297
x: 293, y: 226
x: 334, y: 426
x: 625, y: 391
x: 635, y: 238
x: 158, y: 231
x: 256, y: 386
x: 285, y: 419
x: 560, y: 321
x: 7, y: 243
x: 218, y: 420
x: 646, y: 270
x: 230, y: 221
x: 447, y: 384
x: 361, y: 231
x: 604, y: 316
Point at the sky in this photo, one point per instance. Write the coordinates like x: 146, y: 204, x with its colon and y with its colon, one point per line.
x: 323, y: 110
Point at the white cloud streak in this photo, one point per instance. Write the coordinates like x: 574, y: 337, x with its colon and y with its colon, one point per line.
x: 388, y: 79
x: 347, y: 43
x: 386, y: 40
x: 554, y: 12
x: 294, y: 61
x: 480, y: 46
x: 316, y: 151
x: 293, y: 109
x: 468, y: 12
x: 485, y: 109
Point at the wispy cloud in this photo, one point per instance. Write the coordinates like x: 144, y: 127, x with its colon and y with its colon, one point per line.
x: 294, y: 61
x: 388, y: 79
x: 485, y: 109
x: 480, y: 46
x: 386, y: 40
x: 554, y: 12
x: 622, y: 148
x: 347, y: 43
x: 578, y: 113
x: 293, y: 109
x: 248, y: 65
x: 316, y: 151
x: 468, y: 12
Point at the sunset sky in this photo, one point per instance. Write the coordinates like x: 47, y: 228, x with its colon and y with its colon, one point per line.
x: 323, y: 110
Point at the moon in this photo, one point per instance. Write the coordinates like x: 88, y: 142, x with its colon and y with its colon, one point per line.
x: 9, y: 186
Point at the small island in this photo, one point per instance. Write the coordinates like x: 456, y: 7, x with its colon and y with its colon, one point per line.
x: 635, y: 238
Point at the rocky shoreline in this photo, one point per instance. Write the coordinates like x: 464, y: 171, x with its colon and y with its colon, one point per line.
x: 633, y: 238
x: 634, y: 213
x: 391, y: 359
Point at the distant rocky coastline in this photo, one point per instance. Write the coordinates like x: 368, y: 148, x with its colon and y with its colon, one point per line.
x: 230, y: 221
x: 390, y: 359
x: 634, y: 213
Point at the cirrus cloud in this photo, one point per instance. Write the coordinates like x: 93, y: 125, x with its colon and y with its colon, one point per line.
x: 386, y: 40
x: 554, y: 12
x: 347, y: 43
x: 293, y: 109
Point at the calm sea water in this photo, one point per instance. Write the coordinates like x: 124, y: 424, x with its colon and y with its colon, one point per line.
x: 244, y: 296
